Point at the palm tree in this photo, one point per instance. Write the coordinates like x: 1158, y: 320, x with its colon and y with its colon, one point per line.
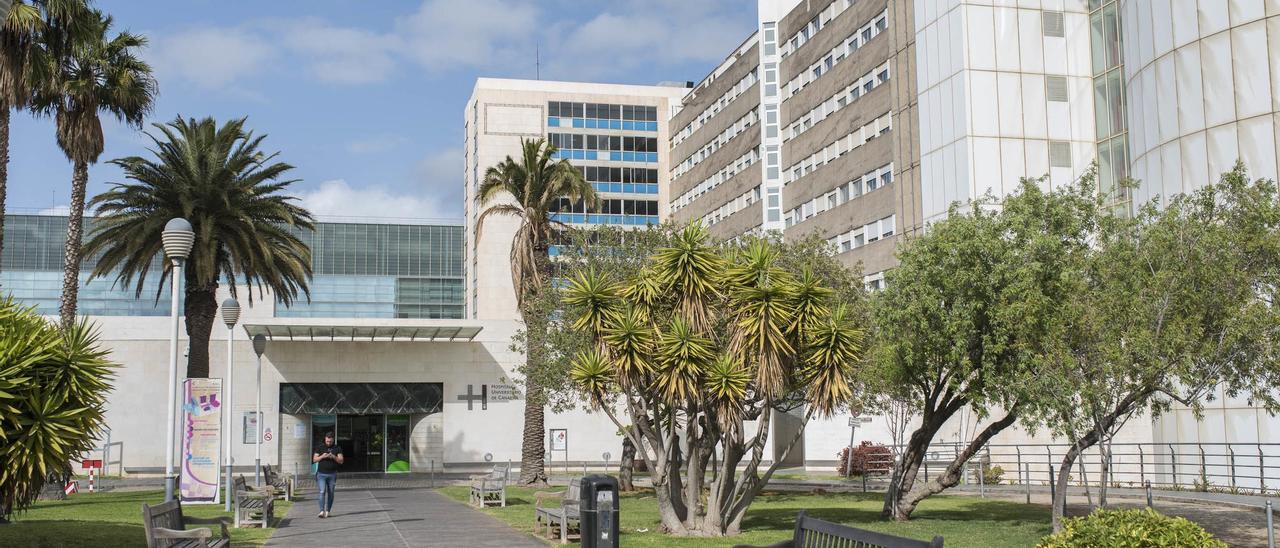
x: 97, y: 74
x: 26, y: 32
x: 533, y: 188
x: 216, y: 178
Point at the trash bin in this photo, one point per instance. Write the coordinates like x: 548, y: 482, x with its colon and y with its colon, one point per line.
x: 598, y: 505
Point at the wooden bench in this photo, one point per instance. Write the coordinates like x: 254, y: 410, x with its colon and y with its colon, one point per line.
x: 165, y: 527
x: 490, y: 488
x: 282, y: 484
x: 253, y: 505
x: 563, y: 517
x: 812, y: 533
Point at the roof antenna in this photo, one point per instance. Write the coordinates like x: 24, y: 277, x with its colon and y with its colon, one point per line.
x: 537, y: 61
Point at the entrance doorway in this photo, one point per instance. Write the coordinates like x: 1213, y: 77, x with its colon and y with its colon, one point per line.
x: 370, y: 443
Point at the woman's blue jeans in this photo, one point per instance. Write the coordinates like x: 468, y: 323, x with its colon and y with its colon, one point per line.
x: 326, y: 483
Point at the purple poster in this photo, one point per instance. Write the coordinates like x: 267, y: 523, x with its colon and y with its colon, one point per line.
x: 201, y: 440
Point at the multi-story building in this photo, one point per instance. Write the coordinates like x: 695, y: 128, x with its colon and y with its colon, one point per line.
x: 797, y: 131
x: 615, y: 134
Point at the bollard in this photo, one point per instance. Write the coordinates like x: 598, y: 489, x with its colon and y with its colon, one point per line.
x: 1271, y: 528
x: 864, y: 482
x: 982, y: 479
x: 433, y: 474
x: 1028, y: 476
x: 1148, y: 486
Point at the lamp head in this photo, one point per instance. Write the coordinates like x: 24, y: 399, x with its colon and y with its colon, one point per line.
x: 230, y: 312
x: 259, y: 344
x: 178, y: 239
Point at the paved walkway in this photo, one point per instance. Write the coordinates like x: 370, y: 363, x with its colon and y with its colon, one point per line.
x: 394, y: 518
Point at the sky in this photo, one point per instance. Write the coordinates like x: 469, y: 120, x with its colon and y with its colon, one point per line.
x: 366, y: 98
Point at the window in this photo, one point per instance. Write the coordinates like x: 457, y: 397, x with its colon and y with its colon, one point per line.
x: 1051, y: 23
x: 1055, y: 88
x: 1059, y: 154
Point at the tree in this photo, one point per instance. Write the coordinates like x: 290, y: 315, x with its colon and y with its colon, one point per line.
x: 531, y: 190
x: 965, y: 320
x: 697, y: 343
x: 1178, y: 303
x: 53, y: 388
x: 27, y: 30
x: 232, y: 193
x: 98, y: 74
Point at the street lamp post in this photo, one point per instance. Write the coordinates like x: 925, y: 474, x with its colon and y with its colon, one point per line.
x: 230, y: 315
x: 178, y: 239
x: 259, y: 346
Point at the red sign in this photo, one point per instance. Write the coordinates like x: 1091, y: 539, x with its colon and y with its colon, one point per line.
x: 95, y: 463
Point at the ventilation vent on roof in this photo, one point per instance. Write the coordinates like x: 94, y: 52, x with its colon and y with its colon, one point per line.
x: 1059, y: 154
x: 1051, y: 21
x: 1056, y: 88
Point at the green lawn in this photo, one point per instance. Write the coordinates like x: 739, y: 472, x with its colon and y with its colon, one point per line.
x: 963, y: 521
x: 111, y: 519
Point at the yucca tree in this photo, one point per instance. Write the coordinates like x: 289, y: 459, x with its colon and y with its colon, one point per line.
x: 715, y: 337
x: 530, y: 190
x: 99, y: 73
x: 31, y: 32
x: 217, y: 178
x: 53, y: 386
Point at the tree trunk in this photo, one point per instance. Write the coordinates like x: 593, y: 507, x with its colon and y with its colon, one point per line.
x: 201, y: 309
x: 533, y: 451
x: 75, y: 233
x: 950, y: 476
x: 4, y: 172
x: 912, y: 457
x: 1064, y: 472
x: 626, y: 470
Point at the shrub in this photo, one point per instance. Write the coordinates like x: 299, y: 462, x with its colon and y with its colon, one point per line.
x: 53, y: 385
x: 991, y: 474
x: 867, y: 457
x: 1133, y: 528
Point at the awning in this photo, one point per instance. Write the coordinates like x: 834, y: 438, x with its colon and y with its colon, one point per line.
x: 318, y: 329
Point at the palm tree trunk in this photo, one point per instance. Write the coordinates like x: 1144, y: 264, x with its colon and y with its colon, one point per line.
x: 626, y: 470
x: 75, y: 233
x: 533, y: 454
x: 4, y: 168
x: 201, y: 309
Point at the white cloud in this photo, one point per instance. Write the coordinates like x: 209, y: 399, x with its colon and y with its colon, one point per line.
x: 211, y: 57
x: 62, y: 210
x: 337, y: 198
x: 341, y: 55
x: 446, y: 34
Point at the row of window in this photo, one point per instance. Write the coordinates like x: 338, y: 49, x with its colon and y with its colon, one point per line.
x: 733, y: 206
x: 611, y: 206
x: 597, y: 219
x: 627, y: 188
x: 876, y: 178
x: 829, y: 153
x: 714, y: 108
x: 737, y: 127
x: 627, y: 143
x: 839, y: 53
x: 727, y: 172
x: 863, y: 235
x: 862, y: 86
x: 639, y: 113
x: 819, y: 21
x: 614, y: 156
x: 593, y: 123
x: 602, y: 174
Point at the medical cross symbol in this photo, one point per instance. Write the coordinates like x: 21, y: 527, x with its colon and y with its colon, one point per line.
x: 470, y: 397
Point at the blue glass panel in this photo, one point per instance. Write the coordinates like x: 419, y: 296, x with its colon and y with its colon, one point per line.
x: 615, y: 156
x: 653, y: 157
x: 615, y: 124
x: 653, y: 126
x: 553, y: 121
x: 628, y: 187
x: 628, y: 156
x: 579, y: 155
x: 591, y: 154
x: 577, y: 122
x: 653, y: 189
x: 553, y: 250
x: 615, y: 187
x: 628, y: 125
x: 591, y: 123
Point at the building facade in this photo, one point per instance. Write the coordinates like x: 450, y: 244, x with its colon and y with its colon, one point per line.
x: 617, y: 135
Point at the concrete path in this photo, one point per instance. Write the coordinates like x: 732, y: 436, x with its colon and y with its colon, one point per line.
x: 394, y: 518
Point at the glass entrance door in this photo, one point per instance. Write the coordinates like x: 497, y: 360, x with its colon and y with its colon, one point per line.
x: 397, y: 443
x: 370, y: 443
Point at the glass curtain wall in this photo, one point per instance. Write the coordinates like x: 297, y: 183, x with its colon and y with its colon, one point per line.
x: 1110, y: 109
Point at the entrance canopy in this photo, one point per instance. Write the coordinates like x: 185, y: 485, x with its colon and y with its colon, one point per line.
x: 372, y: 330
